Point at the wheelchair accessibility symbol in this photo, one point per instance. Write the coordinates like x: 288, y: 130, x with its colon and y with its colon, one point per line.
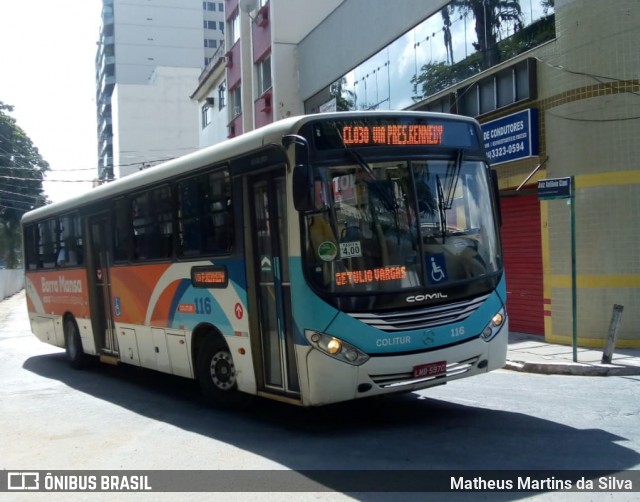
x: 437, y: 269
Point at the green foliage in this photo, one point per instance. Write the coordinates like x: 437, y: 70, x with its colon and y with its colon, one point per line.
x: 344, y: 97
x: 22, y: 170
x: 490, y: 16
x: 435, y: 77
x: 542, y: 30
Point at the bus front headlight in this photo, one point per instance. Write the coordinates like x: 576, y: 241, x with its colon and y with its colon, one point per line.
x: 336, y: 348
x: 494, y: 326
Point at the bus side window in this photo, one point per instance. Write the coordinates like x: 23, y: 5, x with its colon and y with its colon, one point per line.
x: 205, y: 222
x: 31, y: 245
x: 48, y: 243
x: 122, y: 237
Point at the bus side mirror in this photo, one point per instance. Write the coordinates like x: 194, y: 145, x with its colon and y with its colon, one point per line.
x: 303, y: 182
x: 303, y: 188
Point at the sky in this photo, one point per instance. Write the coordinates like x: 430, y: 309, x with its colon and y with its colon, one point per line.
x: 47, y: 72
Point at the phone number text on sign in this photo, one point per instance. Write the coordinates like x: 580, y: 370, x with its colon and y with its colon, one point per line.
x: 505, y: 150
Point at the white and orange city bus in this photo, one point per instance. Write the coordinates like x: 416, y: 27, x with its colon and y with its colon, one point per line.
x: 318, y: 259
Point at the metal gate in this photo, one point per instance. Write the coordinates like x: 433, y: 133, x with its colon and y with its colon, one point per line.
x: 522, y: 246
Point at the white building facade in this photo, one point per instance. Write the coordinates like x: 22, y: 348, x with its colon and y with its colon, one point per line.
x: 147, y: 63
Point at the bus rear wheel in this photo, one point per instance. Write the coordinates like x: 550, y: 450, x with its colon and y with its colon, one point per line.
x: 73, y: 344
x: 217, y: 375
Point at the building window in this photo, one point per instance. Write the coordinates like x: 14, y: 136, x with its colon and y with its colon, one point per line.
x: 220, y: 7
x: 235, y: 101
x: 234, y: 28
x: 210, y: 6
x: 263, y: 71
x: 210, y: 43
x: 221, y: 95
x: 206, y: 115
x: 450, y: 47
x: 220, y: 26
x: 210, y: 25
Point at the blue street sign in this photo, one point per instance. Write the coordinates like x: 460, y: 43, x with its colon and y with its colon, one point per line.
x: 554, y: 188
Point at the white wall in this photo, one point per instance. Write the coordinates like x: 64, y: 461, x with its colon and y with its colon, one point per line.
x: 155, y: 121
x: 292, y: 20
x: 165, y: 33
x: 11, y: 281
x: 216, y: 131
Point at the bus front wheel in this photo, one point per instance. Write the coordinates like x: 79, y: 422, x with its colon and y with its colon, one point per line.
x: 217, y: 375
x: 73, y: 344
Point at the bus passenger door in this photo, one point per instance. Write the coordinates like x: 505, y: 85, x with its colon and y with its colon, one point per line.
x: 100, y: 285
x: 268, y: 224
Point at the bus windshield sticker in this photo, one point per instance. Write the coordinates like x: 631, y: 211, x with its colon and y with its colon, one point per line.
x: 350, y: 249
x: 209, y: 276
x: 437, y: 268
x: 327, y: 251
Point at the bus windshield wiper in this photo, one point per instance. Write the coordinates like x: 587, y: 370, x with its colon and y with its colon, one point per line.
x: 451, y: 181
x: 442, y: 208
x: 447, y: 193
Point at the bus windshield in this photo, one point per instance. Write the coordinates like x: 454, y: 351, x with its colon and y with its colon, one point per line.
x: 396, y: 225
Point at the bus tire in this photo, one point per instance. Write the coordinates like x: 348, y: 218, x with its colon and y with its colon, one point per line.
x: 73, y: 344
x: 217, y: 375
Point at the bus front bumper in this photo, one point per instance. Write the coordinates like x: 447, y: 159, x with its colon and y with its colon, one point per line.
x: 329, y: 380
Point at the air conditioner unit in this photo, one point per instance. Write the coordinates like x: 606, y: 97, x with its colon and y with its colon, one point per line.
x: 210, y: 101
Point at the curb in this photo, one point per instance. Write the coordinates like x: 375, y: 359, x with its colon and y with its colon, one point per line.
x: 577, y: 369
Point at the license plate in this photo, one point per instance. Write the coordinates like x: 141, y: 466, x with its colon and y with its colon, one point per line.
x: 430, y: 370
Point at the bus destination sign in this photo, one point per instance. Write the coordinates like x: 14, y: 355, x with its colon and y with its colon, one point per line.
x: 210, y: 276
x: 393, y: 134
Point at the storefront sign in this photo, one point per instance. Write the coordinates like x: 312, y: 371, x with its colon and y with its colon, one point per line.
x: 513, y: 137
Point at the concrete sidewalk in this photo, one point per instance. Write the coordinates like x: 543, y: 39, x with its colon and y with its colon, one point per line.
x: 530, y: 353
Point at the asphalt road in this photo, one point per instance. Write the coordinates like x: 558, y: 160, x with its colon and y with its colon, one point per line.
x: 55, y: 418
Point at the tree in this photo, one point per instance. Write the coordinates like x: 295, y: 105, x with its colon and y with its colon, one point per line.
x: 492, y: 19
x: 435, y: 77
x: 344, y: 97
x: 446, y: 29
x: 22, y: 170
x: 490, y: 16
